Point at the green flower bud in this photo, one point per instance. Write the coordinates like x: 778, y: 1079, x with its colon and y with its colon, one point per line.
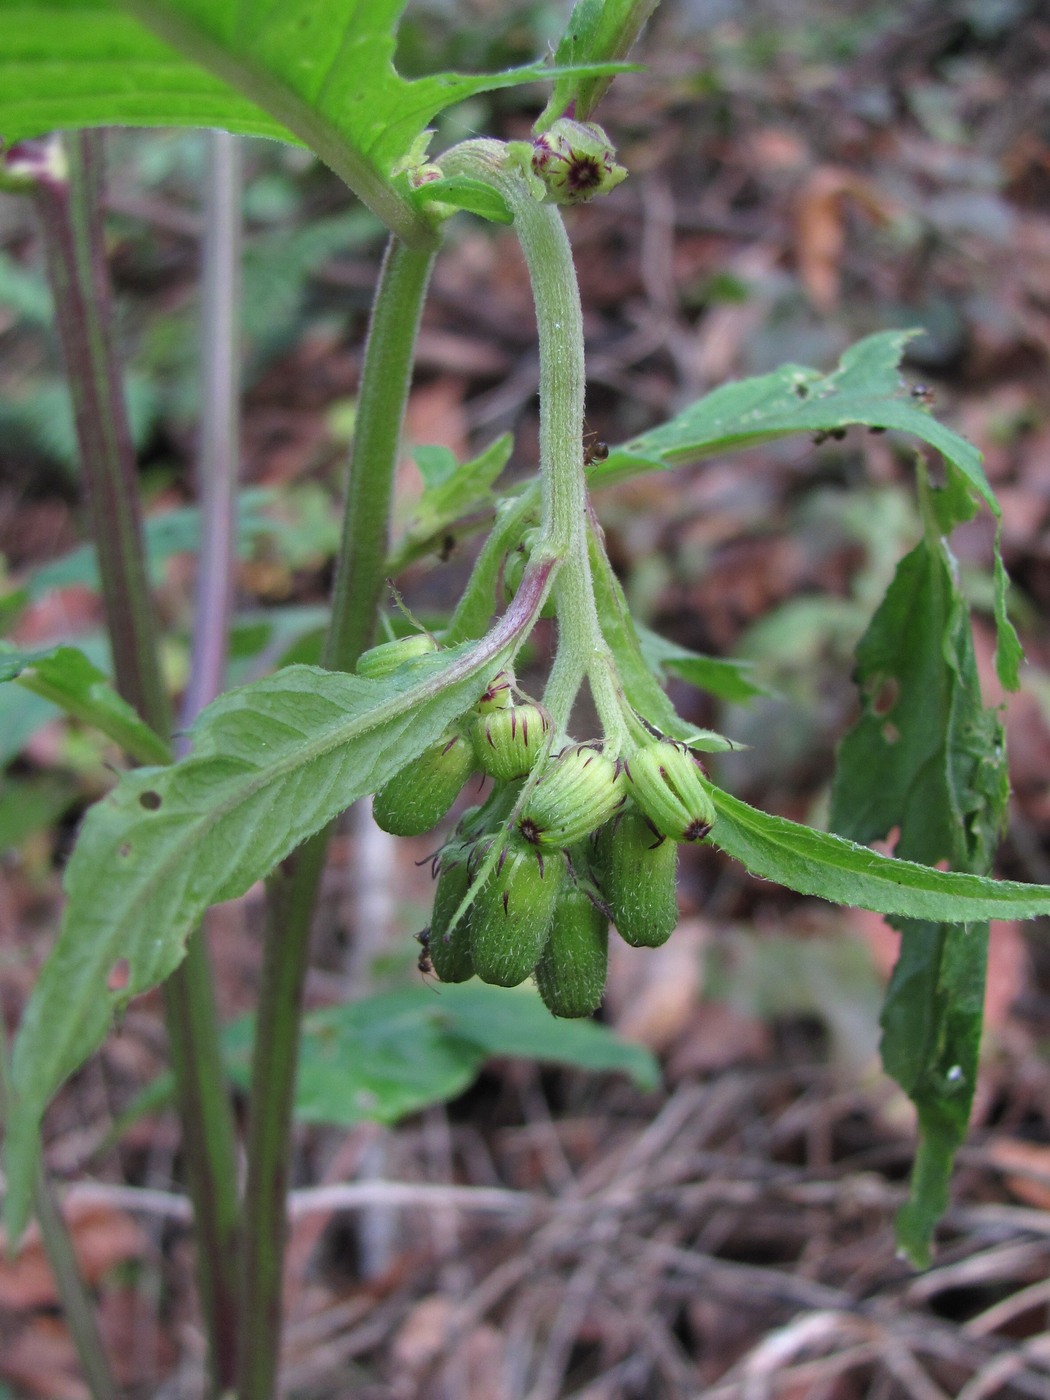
x: 508, y: 742
x: 449, y: 948
x: 575, y: 161
x: 388, y: 656
x: 667, y: 783
x: 419, y: 796
x: 513, y: 911
x: 636, y: 872
x: 571, y: 972
x: 499, y: 693
x: 579, y: 791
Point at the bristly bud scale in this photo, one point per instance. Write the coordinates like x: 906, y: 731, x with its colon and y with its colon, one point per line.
x: 418, y: 797
x: 512, y: 913
x: 666, y: 781
x: 571, y: 972
x: 579, y: 790
x: 508, y: 742
x: 388, y: 656
x: 636, y: 870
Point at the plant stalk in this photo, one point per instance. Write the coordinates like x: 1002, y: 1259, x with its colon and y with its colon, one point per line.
x: 292, y: 890
x: 73, y: 1293
x: 74, y: 247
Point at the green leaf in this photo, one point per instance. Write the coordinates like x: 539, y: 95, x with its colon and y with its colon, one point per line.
x: 465, y: 193
x: 925, y: 754
x: 926, y: 757
x: 450, y: 492
x: 817, y: 863
x: 640, y: 685
x: 271, y: 764
x: 386, y: 1056
x: 931, y: 1039
x: 380, y: 1059
x: 597, y: 29
x: 314, y: 71
x: 866, y: 389
x: 728, y: 680
x: 28, y: 805
x: 64, y: 676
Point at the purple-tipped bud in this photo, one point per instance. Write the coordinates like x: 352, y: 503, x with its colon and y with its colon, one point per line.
x: 508, y: 742
x: 575, y: 161
x: 667, y: 783
x: 419, y: 796
x: 499, y: 693
x: 388, y: 656
x: 580, y: 790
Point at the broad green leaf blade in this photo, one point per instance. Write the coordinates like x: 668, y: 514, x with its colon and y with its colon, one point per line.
x: 316, y: 71
x: 380, y: 1059
x: 450, y: 492
x: 865, y: 389
x: 597, y: 29
x: 271, y: 764
x: 829, y: 867
x: 931, y: 1024
x: 65, y: 677
x: 640, y: 685
x: 928, y: 758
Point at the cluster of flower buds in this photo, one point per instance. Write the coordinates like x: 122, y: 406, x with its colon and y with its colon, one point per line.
x: 583, y: 841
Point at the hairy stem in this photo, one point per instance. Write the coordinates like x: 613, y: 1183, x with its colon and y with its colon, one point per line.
x: 73, y: 241
x: 292, y: 891
x: 559, y: 324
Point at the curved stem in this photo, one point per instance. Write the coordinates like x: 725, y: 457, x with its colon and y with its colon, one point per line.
x: 559, y: 323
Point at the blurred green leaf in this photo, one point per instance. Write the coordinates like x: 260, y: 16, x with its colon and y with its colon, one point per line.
x: 449, y: 493
x: 65, y: 677
x: 390, y: 1055
x: 29, y: 805
x: 729, y: 680
x: 173, y: 532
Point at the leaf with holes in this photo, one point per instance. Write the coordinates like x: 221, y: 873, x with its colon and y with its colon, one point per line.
x: 271, y: 764
x: 927, y: 757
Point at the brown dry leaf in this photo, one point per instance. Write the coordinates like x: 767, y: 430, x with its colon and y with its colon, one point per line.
x: 653, y: 991
x: 102, y: 1237
x: 41, y: 1362
x: 1026, y: 1168
x: 820, y: 227
x: 423, y: 1334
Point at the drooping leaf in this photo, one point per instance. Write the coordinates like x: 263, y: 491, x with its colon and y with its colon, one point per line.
x: 830, y: 867
x: 865, y: 389
x: 390, y: 1055
x: 597, y: 29
x: 728, y: 680
x: 314, y: 71
x: 931, y: 1039
x: 640, y: 685
x: 450, y: 492
x: 926, y: 757
x: 271, y: 764
x: 65, y: 677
